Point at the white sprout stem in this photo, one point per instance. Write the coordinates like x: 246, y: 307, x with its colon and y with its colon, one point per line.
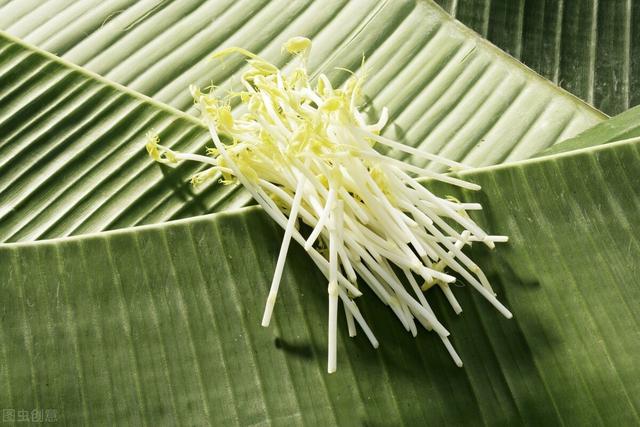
x: 333, y: 289
x: 450, y: 297
x: 401, y: 292
x: 412, y: 323
x: 346, y: 264
x: 321, y: 222
x: 386, y: 219
x: 274, y: 212
x: 351, y: 326
x: 284, y: 248
x: 382, y: 121
x: 395, y: 303
x: 406, y: 311
x: 353, y: 308
x: 373, y: 283
x: 463, y: 206
x: 349, y: 304
x: 421, y: 171
x: 355, y: 206
x: 495, y: 239
x: 467, y: 223
x: 344, y: 259
x: 452, y: 351
x: 373, y: 248
x: 379, y: 289
x: 322, y: 263
x: 342, y: 251
x: 418, y: 309
x: 410, y: 150
x: 451, y: 262
x: 445, y: 340
x: 394, y: 214
x: 194, y: 157
x: 416, y: 289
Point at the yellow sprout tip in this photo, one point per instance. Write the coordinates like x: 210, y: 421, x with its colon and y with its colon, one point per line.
x: 297, y: 45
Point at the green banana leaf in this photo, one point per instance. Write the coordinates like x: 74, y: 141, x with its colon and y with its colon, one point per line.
x: 591, y: 48
x: 71, y: 151
x: 160, y: 325
x: 448, y: 90
x: 72, y: 156
x: 622, y: 126
x: 147, y: 326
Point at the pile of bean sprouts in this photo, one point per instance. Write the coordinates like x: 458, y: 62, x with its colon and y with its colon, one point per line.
x: 306, y: 154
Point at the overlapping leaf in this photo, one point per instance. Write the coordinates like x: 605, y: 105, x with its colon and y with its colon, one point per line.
x: 591, y: 48
x: 448, y: 89
x: 620, y: 127
x: 71, y: 141
x: 72, y: 156
x: 161, y: 324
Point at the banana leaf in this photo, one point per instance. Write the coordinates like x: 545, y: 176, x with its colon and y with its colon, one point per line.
x: 160, y: 324
x: 591, y: 48
x: 72, y: 156
x: 448, y: 89
x: 71, y: 149
x: 622, y: 126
